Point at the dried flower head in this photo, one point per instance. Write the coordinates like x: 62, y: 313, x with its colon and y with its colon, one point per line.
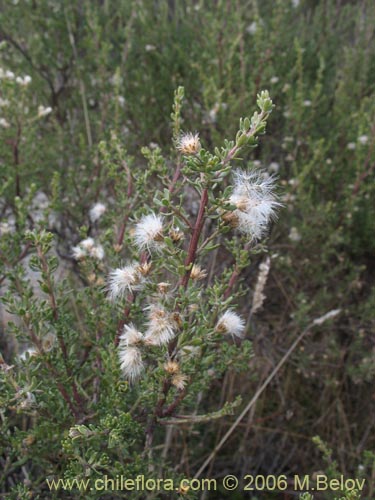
x: 91, y: 278
x: 177, y: 320
x: 176, y: 235
x: 160, y: 326
x: 96, y: 211
x: 148, y: 233
x: 145, y: 268
x: 179, y: 381
x: 172, y: 367
x: 28, y: 440
x: 197, y: 273
x: 163, y: 287
x: 231, y: 323
x: 124, y: 280
x: 231, y: 218
x: 254, y: 197
x: 189, y: 144
x: 117, y: 248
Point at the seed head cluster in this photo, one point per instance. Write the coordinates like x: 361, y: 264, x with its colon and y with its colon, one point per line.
x: 189, y: 144
x: 161, y: 326
x: 148, y: 233
x: 124, y: 280
x: 253, y: 206
x: 255, y: 199
x: 96, y: 211
x: 88, y: 248
x: 129, y: 352
x: 231, y: 323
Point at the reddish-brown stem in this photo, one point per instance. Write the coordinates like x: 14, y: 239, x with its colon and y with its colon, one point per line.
x: 232, y: 282
x: 171, y: 408
x: 193, y: 245
x: 176, y: 176
x: 121, y: 233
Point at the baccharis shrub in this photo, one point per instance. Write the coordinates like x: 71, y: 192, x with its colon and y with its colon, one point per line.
x: 155, y: 321
x: 90, y: 85
x: 177, y: 303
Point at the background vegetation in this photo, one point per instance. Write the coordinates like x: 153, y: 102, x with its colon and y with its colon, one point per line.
x: 108, y: 71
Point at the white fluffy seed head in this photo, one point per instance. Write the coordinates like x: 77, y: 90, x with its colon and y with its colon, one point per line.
x: 96, y: 211
x: 148, y: 233
x: 4, y: 123
x: 124, y: 280
x: 131, y: 336
x: 78, y: 252
x: 131, y: 362
x: 160, y: 326
x: 363, y: 139
x: 42, y: 111
x: 87, y: 243
x: 256, y: 203
x: 188, y: 143
x: 197, y: 273
x: 179, y: 381
x: 231, y: 323
x: 97, y: 252
x: 88, y: 248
